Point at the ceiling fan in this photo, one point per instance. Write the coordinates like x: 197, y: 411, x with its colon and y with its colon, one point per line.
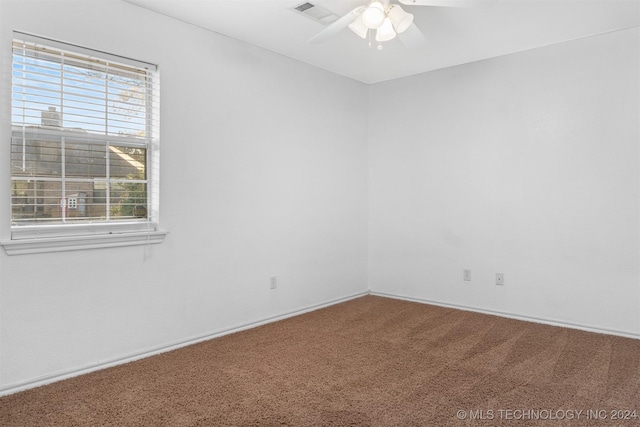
x: 388, y: 19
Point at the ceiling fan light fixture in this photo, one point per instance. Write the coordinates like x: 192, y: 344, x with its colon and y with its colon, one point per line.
x: 385, y: 32
x: 373, y: 16
x: 400, y: 19
x: 359, y: 27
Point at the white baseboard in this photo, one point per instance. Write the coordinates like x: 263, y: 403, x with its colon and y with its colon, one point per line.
x: 552, y: 322
x: 58, y: 376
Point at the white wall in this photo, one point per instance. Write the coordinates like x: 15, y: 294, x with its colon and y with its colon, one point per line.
x: 263, y: 172
x: 527, y: 164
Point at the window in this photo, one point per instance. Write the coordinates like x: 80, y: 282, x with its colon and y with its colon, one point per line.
x: 84, y: 146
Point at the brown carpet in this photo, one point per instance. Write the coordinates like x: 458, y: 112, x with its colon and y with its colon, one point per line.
x: 370, y: 361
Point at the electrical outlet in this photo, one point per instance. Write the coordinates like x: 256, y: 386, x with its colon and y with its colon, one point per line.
x: 500, y: 279
x: 273, y: 282
x: 466, y: 275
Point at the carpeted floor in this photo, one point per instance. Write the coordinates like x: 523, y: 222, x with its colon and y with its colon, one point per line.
x: 370, y: 361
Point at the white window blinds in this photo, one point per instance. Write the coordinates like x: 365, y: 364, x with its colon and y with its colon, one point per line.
x: 84, y: 137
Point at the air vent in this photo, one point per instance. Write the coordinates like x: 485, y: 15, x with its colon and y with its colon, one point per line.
x: 316, y: 13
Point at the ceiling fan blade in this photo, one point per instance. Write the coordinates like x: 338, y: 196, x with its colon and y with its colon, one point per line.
x: 337, y: 26
x: 412, y: 37
x: 450, y: 3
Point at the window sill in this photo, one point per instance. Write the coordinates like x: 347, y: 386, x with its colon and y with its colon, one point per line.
x: 73, y: 243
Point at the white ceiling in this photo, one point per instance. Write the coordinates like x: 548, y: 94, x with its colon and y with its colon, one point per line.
x: 453, y: 35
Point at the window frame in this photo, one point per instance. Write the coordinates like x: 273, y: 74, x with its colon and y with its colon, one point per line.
x: 53, y: 237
